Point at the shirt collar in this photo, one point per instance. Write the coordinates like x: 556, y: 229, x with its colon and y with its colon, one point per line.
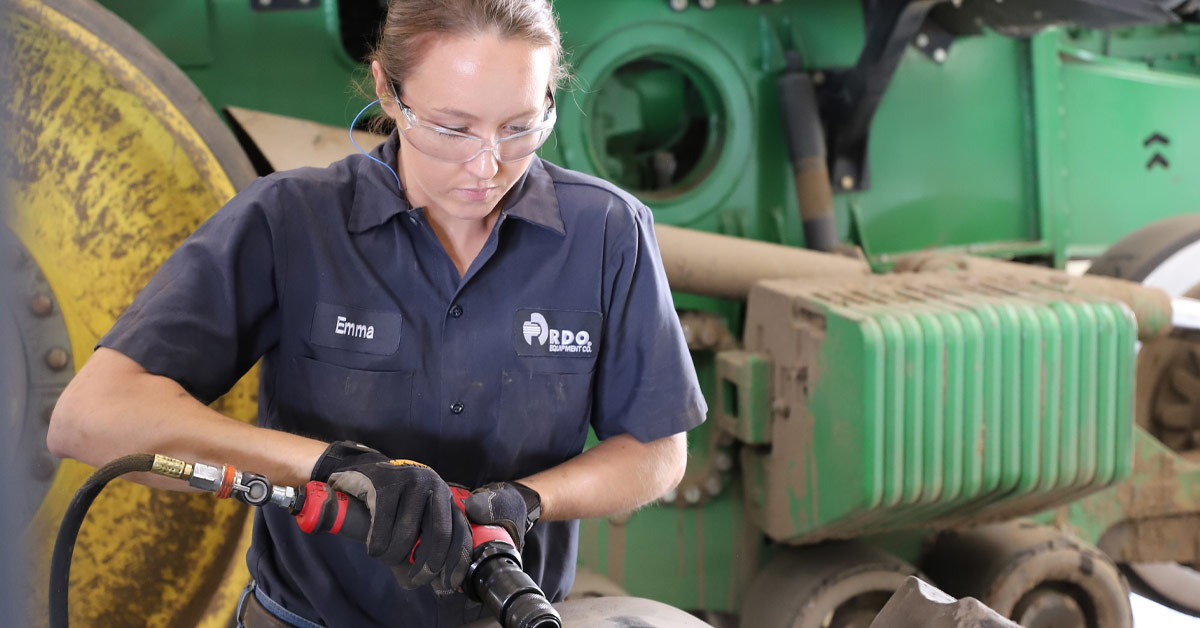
x: 377, y: 197
x: 377, y: 193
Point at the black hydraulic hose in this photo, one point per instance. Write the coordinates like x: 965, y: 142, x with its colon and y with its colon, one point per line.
x: 64, y: 545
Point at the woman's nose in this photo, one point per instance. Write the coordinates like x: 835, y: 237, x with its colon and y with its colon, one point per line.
x: 485, y: 165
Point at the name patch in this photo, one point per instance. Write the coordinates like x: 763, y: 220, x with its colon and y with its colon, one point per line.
x: 556, y: 333
x: 352, y: 329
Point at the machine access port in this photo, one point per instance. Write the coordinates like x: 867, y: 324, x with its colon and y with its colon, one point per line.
x: 657, y: 126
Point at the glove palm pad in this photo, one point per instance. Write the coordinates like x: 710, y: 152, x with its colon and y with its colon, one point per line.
x: 411, y: 503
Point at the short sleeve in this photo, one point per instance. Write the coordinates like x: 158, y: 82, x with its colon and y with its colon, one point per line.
x: 645, y: 383
x: 210, y: 311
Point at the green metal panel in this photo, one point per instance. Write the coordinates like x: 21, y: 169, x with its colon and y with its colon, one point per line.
x: 932, y: 183
x: 1109, y: 111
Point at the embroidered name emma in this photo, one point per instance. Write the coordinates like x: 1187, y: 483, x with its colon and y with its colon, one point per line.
x: 354, y: 330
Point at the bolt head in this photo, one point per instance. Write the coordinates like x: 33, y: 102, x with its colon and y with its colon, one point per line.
x: 57, y: 358
x: 42, y: 304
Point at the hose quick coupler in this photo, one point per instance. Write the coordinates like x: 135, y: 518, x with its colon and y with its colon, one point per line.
x: 171, y: 467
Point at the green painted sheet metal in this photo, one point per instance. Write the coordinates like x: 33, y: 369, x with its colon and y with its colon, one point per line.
x: 1010, y: 147
x: 938, y: 401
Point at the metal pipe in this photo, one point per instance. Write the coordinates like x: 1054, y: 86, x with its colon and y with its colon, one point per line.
x: 806, y: 147
x: 726, y: 267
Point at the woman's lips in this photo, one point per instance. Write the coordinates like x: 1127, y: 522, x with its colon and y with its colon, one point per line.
x: 474, y: 194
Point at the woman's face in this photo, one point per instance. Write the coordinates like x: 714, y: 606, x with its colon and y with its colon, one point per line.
x: 484, y: 86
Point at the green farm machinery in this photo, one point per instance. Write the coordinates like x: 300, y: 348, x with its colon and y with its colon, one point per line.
x: 867, y: 211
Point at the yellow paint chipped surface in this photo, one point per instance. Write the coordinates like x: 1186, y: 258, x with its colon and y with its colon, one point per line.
x: 108, y: 178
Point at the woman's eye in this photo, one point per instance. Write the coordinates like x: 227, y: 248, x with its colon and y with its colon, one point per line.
x: 513, y: 130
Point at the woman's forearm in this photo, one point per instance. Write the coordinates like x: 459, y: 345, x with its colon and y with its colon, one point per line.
x: 113, y: 407
x: 617, y: 475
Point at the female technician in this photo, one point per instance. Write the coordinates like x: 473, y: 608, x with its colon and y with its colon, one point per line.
x: 450, y: 299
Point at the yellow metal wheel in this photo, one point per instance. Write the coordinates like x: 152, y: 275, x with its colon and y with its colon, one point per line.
x: 113, y: 159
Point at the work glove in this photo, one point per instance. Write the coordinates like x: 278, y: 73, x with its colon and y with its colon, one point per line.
x: 343, y: 454
x: 512, y: 505
x: 411, y: 503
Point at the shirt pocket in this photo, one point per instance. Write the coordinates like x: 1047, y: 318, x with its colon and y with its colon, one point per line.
x: 339, y: 402
x: 551, y: 412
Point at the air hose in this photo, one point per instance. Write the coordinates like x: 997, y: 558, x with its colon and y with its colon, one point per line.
x: 64, y: 544
x: 494, y: 577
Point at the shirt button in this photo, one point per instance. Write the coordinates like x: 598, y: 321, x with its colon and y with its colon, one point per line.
x: 456, y: 407
x: 456, y: 311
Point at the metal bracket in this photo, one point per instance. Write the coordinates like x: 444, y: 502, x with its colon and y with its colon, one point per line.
x: 849, y: 98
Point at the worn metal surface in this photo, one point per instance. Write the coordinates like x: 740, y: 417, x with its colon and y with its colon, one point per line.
x: 833, y: 585
x: 113, y: 158
x: 932, y: 400
x: 1151, y: 306
x: 616, y: 612
x: 918, y: 604
x: 33, y: 329
x: 1032, y: 574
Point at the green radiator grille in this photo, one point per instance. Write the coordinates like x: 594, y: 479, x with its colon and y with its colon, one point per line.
x: 926, y: 400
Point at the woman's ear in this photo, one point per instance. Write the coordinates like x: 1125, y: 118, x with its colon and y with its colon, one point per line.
x: 383, y: 91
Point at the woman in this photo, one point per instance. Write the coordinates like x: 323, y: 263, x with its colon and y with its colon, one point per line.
x: 450, y: 301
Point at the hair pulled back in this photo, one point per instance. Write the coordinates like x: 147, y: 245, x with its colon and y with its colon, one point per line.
x: 411, y: 25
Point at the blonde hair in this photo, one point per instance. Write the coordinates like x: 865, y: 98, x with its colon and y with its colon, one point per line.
x: 411, y: 25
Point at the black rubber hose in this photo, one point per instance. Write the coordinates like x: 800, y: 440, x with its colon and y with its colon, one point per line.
x: 64, y: 545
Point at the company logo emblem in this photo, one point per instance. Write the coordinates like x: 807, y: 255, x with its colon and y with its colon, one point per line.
x: 561, y: 340
x: 536, y: 327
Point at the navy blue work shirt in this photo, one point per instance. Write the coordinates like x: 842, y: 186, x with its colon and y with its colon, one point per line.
x: 367, y: 332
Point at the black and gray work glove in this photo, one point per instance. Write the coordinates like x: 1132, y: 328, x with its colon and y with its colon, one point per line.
x: 512, y: 505
x: 409, y: 502
x: 343, y: 454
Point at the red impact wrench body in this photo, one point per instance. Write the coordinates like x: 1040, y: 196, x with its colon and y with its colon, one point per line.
x: 494, y: 577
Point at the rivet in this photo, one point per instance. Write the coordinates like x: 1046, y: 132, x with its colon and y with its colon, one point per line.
x: 713, y: 485
x: 57, y: 358
x: 922, y: 40
x: 847, y: 182
x: 939, y: 55
x: 707, y: 4
x: 670, y: 496
x: 724, y: 461
x: 678, y: 5
x: 42, y: 304
x: 818, y: 78
x: 691, y: 494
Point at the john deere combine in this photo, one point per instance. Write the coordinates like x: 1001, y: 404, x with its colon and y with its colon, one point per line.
x: 865, y: 210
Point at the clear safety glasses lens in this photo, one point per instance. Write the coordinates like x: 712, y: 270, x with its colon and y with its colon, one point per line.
x: 461, y: 149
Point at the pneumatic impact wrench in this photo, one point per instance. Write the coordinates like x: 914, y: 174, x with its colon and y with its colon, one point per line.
x: 494, y: 577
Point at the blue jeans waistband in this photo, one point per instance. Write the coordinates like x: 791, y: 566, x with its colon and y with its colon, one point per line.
x: 272, y: 607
